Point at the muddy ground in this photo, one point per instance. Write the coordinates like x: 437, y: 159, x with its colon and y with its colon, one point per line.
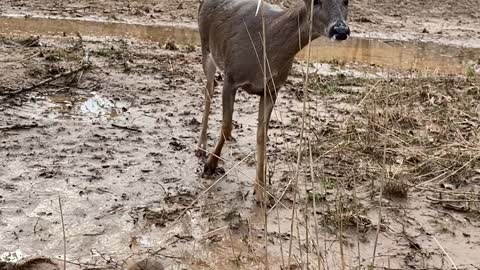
x: 449, y: 21
x: 111, y: 141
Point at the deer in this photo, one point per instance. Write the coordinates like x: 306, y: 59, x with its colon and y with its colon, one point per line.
x: 232, y: 42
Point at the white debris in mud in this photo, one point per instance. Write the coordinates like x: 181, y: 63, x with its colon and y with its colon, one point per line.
x: 12, y: 257
x: 97, y: 106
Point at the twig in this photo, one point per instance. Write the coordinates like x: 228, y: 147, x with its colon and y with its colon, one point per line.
x: 12, y: 62
x: 127, y: 128
x: 453, y: 173
x: 436, y: 190
x: 450, y: 201
x: 19, y: 127
x: 35, y: 226
x: 380, y: 206
x: 48, y: 80
x: 444, y: 252
x: 64, y: 237
x: 171, y: 256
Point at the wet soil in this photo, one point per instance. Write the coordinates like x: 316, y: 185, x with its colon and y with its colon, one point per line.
x: 448, y: 22
x: 110, y: 148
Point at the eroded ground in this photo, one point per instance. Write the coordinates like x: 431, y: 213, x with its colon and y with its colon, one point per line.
x: 115, y: 141
x: 449, y: 22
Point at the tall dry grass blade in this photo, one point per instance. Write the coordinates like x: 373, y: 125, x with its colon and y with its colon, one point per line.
x: 445, y: 252
x: 380, y: 205
x: 357, y: 210
x: 302, y: 131
x: 339, y: 203
x: 265, y: 195
x: 315, y: 218
x: 233, y: 248
x: 280, y: 239
x: 64, y: 235
x: 299, y: 238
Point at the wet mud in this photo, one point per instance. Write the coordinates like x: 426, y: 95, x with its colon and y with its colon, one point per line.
x: 116, y: 145
x: 102, y: 160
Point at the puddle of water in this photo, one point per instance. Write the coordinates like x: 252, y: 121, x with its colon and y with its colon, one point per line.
x: 101, y: 29
x: 428, y: 57
x: 95, y: 106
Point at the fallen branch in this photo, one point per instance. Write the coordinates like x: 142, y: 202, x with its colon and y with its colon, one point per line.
x: 451, y: 201
x: 126, y: 128
x: 19, y: 127
x: 48, y: 80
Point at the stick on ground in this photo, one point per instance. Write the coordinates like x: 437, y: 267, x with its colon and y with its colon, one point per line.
x: 48, y: 80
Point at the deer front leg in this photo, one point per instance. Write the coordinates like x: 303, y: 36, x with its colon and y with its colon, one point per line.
x: 228, y: 100
x: 209, y: 69
x: 265, y: 111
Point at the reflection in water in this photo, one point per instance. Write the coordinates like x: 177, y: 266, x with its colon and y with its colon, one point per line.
x: 404, y: 55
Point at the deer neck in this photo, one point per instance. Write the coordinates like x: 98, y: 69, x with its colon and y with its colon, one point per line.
x: 290, y: 33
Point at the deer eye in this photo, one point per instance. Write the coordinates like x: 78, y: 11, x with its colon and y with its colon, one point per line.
x: 345, y: 2
x: 317, y: 2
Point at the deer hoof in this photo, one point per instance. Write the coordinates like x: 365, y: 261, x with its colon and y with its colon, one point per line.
x: 261, y: 201
x: 208, y: 171
x: 210, y: 167
x: 260, y: 198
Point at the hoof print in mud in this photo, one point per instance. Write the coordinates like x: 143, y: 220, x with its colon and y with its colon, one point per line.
x: 200, y: 153
x: 176, y: 145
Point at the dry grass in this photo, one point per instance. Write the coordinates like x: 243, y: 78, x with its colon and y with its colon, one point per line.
x: 419, y: 133
x: 430, y: 127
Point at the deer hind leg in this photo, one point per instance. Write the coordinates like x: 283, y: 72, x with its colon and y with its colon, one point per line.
x: 264, y: 114
x: 228, y: 101
x: 209, y: 68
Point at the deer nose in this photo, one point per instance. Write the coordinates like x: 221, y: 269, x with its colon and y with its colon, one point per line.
x: 339, y: 31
